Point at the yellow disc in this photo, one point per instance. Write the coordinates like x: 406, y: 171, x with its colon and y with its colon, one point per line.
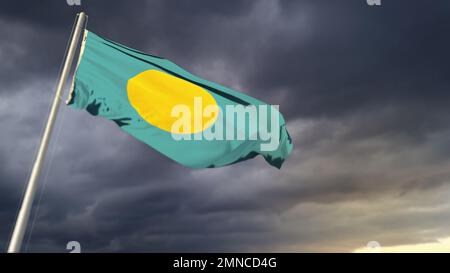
x: 154, y: 94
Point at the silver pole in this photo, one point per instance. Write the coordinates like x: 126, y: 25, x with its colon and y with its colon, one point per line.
x: 27, y: 202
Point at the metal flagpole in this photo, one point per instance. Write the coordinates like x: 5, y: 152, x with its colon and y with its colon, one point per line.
x: 27, y: 202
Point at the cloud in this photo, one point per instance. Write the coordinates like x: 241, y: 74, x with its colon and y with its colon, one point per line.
x: 440, y: 246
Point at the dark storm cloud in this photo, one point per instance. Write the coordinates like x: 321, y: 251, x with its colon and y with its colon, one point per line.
x: 358, y: 56
x: 45, y: 26
x: 364, y: 90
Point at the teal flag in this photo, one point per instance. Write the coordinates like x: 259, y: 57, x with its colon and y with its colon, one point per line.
x: 197, y: 123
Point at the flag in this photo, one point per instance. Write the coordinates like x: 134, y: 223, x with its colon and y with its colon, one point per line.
x: 195, y: 122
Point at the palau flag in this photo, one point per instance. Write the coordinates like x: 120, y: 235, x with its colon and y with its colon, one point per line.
x: 176, y: 113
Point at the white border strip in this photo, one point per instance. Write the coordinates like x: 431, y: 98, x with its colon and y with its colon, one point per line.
x: 72, y: 85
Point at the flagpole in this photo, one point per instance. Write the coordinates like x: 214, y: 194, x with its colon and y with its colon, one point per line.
x: 27, y: 202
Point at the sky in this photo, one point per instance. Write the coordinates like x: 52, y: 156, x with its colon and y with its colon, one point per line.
x: 364, y: 91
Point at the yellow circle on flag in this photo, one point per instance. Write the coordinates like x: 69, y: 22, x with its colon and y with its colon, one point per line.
x: 154, y: 94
